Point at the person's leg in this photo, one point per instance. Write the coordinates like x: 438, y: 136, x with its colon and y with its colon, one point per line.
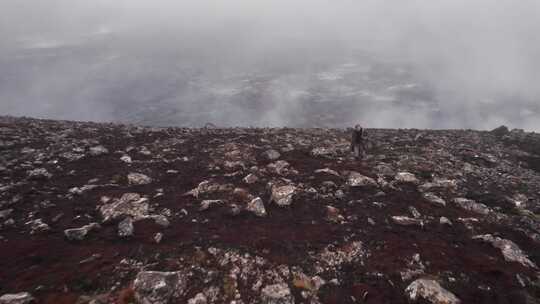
x: 356, y: 151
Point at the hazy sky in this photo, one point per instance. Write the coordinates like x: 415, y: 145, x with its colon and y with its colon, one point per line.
x: 127, y: 59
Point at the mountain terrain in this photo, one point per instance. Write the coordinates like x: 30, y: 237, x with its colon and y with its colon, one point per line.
x: 112, y: 213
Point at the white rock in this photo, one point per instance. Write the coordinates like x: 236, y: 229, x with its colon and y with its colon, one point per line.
x: 155, y: 287
x: 445, y: 221
x: 434, y: 199
x: 430, y: 290
x: 256, y: 206
x: 39, y: 173
x: 251, y: 178
x: 328, y: 171
x: 125, y: 228
x: 509, y: 249
x: 17, y: 298
x: 356, y: 179
x: 406, y: 177
x: 126, y: 159
x: 138, y: 179
x: 407, y: 221
x: 283, y: 196
x: 277, y: 294
x: 208, y: 203
x: 79, y: 234
x: 199, y: 298
x: 272, y: 154
x: 98, y: 150
x: 472, y: 206
x: 130, y: 204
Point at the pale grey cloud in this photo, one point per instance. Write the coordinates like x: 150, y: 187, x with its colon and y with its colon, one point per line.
x: 389, y: 63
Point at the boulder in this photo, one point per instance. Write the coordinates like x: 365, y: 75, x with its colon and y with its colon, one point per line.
x: 17, y: 298
x: 271, y: 154
x: 407, y: 221
x: 431, y: 291
x: 356, y: 179
x: 283, y: 195
x: 125, y: 228
x: 98, y: 150
x: 138, y: 179
x: 509, y: 249
x: 434, y: 199
x: 256, y: 206
x: 472, y: 206
x: 251, y: 179
x: 500, y: 131
x: 130, y: 204
x: 155, y: 287
x: 277, y: 294
x: 39, y: 174
x: 406, y: 177
x: 206, y: 204
x: 79, y: 234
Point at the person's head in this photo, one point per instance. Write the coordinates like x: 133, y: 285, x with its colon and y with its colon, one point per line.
x: 358, y: 127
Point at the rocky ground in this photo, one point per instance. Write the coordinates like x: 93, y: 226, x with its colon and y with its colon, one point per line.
x: 104, y: 213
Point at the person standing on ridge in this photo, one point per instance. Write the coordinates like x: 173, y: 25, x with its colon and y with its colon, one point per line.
x: 357, y: 141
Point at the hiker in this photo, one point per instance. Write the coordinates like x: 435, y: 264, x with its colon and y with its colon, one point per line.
x: 357, y: 141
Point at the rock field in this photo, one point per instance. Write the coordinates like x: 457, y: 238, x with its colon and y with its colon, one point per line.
x: 106, y: 213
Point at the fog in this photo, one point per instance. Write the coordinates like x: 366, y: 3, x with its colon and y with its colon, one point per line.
x: 301, y: 63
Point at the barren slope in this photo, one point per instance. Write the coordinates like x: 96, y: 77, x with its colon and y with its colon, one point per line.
x: 246, y: 215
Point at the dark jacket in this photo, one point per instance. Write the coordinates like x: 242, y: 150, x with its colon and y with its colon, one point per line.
x: 357, y: 138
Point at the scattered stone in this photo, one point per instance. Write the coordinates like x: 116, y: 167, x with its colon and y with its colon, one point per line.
x: 130, y: 204
x: 445, y: 221
x: 251, y: 178
x: 321, y: 151
x: 81, y: 190
x: 407, y: 221
x: 199, y: 298
x: 257, y: 207
x: 271, y: 154
x: 206, y: 204
x: 79, y: 234
x: 472, y: 206
x: 431, y: 291
x: 277, y: 294
x: 138, y: 179
x: 125, y: 228
x: 283, y: 195
x: 158, y: 237
x: 434, y: 199
x: 154, y: 287
x: 126, y: 159
x: 17, y: 298
x: 38, y: 226
x: 332, y: 256
x: 280, y: 167
x: 415, y: 213
x: 327, y: 171
x: 334, y: 215
x: 415, y: 268
x: 39, y: 174
x: 98, y: 150
x: 356, y: 179
x: 509, y: 249
x: 406, y: 177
